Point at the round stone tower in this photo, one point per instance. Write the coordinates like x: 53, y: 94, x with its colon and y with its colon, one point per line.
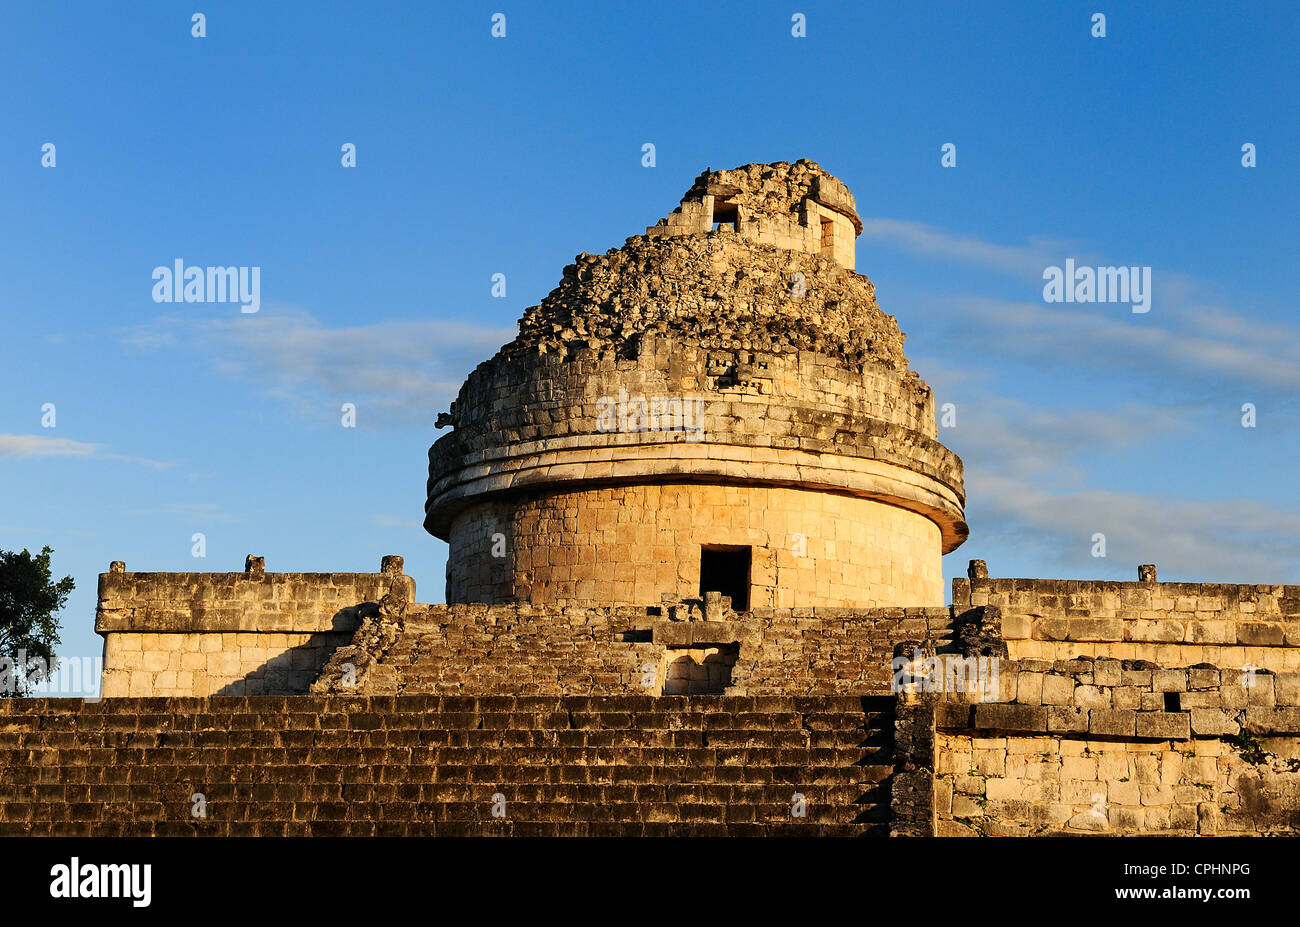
x: 719, y: 405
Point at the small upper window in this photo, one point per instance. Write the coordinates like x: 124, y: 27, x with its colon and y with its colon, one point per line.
x: 725, y: 214
x: 828, y: 236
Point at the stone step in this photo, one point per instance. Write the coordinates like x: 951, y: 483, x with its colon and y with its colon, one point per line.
x: 160, y: 707
x: 659, y: 738
x: 26, y: 765
x: 181, y: 828
x: 398, y: 748
x: 582, y: 808
x: 215, y: 768
x: 476, y: 785
x: 414, y: 765
x: 578, y: 804
x: 369, y: 723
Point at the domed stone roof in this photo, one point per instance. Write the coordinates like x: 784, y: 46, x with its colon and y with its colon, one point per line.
x: 684, y: 278
x: 744, y: 300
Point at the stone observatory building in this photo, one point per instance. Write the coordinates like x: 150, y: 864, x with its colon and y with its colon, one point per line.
x: 695, y: 513
x: 718, y: 405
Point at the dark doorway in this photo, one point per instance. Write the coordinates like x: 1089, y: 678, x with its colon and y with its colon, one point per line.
x: 700, y: 671
x: 726, y: 214
x: 725, y: 569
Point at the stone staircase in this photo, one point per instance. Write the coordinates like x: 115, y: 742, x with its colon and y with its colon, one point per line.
x: 474, y: 650
x: 425, y: 765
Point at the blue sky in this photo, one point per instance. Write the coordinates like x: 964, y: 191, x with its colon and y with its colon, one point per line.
x: 478, y: 155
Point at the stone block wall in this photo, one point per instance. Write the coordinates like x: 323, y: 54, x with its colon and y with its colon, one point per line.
x: 1173, y: 624
x: 807, y: 233
x: 482, y: 650
x: 250, y: 633
x: 793, y: 399
x: 915, y: 761
x: 837, y: 651
x: 508, y: 766
x: 781, y: 204
x: 1116, y: 747
x: 797, y: 418
x: 215, y: 663
x: 836, y: 235
x: 635, y: 544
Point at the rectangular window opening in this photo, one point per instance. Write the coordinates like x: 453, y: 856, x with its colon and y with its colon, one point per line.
x: 828, y: 235
x: 725, y: 214
x: 725, y: 568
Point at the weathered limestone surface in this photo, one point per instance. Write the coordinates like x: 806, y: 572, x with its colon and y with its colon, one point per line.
x: 488, y: 650
x: 1113, y: 747
x: 785, y: 375
x: 629, y: 545
x: 1015, y: 785
x: 725, y: 381
x: 1173, y: 624
x: 250, y: 633
x: 506, y: 766
x: 796, y: 207
x: 215, y: 663
x: 915, y: 760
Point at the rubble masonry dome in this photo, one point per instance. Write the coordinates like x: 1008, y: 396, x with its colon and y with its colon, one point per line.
x: 577, y: 447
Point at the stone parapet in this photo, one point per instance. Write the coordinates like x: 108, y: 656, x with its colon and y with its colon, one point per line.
x: 232, y: 633
x: 1167, y: 623
x: 796, y: 207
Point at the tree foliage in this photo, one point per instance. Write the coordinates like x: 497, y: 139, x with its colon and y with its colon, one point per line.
x: 29, y: 630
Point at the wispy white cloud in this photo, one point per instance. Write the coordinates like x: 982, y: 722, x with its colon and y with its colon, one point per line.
x: 1224, y: 540
x: 1008, y: 436
x: 391, y: 521
x: 1030, y: 466
x: 1192, y: 330
x: 402, y: 372
x: 1027, y: 259
x: 1196, y: 345
x: 44, y: 446
x: 197, y: 511
x: 49, y: 446
x: 1029, y: 490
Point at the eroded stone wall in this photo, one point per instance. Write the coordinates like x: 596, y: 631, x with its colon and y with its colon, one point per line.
x: 719, y: 290
x: 249, y: 633
x: 1172, y: 624
x: 1115, y: 747
x: 215, y: 663
x: 796, y: 399
x: 788, y: 206
x: 487, y: 650
x: 633, y: 544
x: 1029, y: 786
